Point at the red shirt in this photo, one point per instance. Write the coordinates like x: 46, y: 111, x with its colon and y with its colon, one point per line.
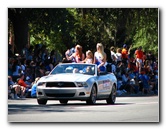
x: 139, y: 54
x: 22, y: 83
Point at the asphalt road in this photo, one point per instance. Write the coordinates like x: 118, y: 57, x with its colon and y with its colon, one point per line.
x: 126, y: 109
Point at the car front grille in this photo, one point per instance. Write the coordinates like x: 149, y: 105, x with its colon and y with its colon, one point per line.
x: 60, y: 95
x: 60, y: 84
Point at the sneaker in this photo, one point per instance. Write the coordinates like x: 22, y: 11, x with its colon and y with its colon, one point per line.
x: 124, y: 91
x: 23, y: 97
x: 16, y: 97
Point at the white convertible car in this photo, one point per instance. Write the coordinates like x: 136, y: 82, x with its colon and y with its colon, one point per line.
x: 74, y: 81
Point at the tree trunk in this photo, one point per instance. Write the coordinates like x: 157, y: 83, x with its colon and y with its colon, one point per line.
x: 20, y: 27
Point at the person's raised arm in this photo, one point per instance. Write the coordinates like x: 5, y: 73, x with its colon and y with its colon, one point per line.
x: 129, y: 49
x: 71, y: 57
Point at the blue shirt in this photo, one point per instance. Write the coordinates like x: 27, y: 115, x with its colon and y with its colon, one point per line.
x: 144, y: 79
x: 33, y: 90
x: 131, y: 75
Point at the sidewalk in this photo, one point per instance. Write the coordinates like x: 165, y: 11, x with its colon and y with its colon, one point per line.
x: 124, y: 94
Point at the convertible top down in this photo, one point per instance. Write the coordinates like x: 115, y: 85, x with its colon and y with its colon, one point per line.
x: 74, y: 81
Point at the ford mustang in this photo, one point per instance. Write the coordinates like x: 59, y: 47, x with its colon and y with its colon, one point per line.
x: 77, y: 81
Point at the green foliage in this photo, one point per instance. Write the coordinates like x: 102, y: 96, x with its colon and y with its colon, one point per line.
x: 63, y: 28
x: 146, y: 34
x: 52, y: 27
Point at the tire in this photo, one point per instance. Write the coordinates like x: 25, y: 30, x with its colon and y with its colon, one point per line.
x: 112, y: 96
x: 42, y: 101
x: 93, y: 96
x: 63, y: 101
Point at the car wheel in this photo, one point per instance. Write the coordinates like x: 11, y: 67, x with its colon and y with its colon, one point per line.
x: 112, y: 96
x: 63, y: 101
x: 93, y: 96
x: 42, y: 101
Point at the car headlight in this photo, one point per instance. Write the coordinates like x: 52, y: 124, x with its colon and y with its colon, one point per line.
x: 41, y: 84
x: 82, y: 84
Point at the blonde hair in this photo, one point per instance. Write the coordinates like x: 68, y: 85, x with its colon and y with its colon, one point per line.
x: 101, y: 49
x: 119, y: 50
x: 89, y: 52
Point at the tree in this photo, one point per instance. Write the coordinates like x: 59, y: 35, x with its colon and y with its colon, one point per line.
x: 19, y: 19
x: 63, y: 28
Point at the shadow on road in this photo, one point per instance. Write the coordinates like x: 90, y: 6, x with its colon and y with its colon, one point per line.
x: 70, y: 107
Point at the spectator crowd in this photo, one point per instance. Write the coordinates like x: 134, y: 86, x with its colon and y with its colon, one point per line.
x: 136, y: 73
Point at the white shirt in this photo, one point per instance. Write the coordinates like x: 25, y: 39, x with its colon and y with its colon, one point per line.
x: 88, y: 61
x: 119, y: 56
x: 113, y: 56
x: 98, y: 57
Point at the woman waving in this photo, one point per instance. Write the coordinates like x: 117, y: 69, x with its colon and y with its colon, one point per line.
x: 78, y: 56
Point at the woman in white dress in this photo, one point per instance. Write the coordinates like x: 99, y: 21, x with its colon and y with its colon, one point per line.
x: 100, y: 57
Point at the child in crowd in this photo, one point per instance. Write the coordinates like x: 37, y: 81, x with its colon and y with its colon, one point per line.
x: 33, y: 90
x: 15, y: 89
x: 28, y: 82
x: 24, y: 85
x: 89, y: 57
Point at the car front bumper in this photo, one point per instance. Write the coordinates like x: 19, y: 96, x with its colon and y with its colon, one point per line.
x: 76, y: 93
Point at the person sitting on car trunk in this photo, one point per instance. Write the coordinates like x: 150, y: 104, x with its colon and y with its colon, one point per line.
x: 100, y: 57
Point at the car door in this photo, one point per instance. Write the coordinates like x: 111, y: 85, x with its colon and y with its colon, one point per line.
x: 104, y: 85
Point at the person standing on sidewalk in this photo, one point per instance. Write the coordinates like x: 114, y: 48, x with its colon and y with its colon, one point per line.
x: 139, y: 58
x: 125, y: 54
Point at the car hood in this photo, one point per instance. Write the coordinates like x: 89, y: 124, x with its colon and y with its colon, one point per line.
x: 66, y: 78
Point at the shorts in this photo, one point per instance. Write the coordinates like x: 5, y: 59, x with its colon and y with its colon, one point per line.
x: 139, y: 60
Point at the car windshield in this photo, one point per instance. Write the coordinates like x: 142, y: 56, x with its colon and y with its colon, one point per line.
x: 88, y: 69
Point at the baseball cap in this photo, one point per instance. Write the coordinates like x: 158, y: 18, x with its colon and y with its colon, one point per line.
x: 124, y: 45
